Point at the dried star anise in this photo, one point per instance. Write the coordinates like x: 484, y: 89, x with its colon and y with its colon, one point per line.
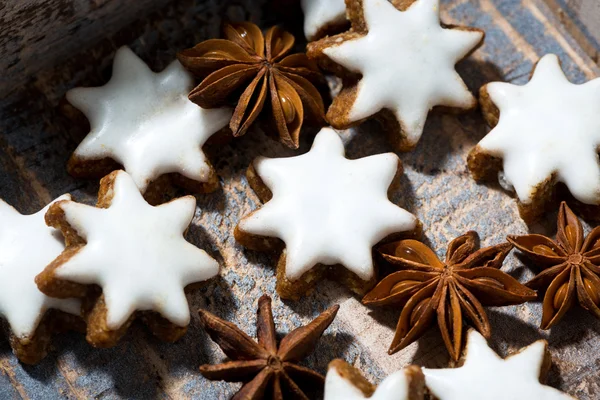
x: 248, y: 68
x: 425, y: 286
x: 570, y: 267
x: 268, y: 371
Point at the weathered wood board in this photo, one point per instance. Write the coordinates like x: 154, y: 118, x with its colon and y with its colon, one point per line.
x: 37, y: 34
x: 36, y: 139
x: 582, y: 19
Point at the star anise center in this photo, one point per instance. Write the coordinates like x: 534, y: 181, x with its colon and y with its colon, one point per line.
x: 575, y: 259
x: 447, y: 272
x: 275, y: 363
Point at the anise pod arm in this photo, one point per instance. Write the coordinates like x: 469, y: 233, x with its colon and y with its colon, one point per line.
x: 256, y: 388
x: 234, y: 342
x: 301, y: 341
x: 570, y: 231
x: 265, y: 327
x: 559, y: 298
x: 233, y: 371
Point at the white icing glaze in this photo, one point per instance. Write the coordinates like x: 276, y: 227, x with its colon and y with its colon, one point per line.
x: 547, y: 126
x: 394, y: 387
x: 407, y: 63
x: 485, y: 375
x: 320, y: 13
x: 137, y: 253
x: 328, y: 209
x: 27, y: 246
x: 144, y: 121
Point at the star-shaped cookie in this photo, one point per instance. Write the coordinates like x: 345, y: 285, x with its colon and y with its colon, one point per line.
x: 344, y: 382
x: 544, y: 132
x: 484, y: 375
x: 136, y: 253
x: 144, y: 121
x: 322, y: 16
x: 27, y: 245
x: 400, y: 64
x: 328, y: 210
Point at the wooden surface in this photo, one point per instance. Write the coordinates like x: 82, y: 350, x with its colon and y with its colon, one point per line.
x: 37, y: 34
x: 582, y: 20
x: 36, y: 140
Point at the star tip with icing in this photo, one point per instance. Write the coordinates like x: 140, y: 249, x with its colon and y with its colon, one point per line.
x: 183, y: 210
x: 124, y: 56
x: 550, y: 57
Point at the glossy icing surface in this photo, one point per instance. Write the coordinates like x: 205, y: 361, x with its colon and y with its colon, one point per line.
x: 144, y: 121
x: 328, y: 209
x: 407, y: 63
x: 485, y: 375
x: 548, y: 126
x: 27, y: 246
x: 137, y: 253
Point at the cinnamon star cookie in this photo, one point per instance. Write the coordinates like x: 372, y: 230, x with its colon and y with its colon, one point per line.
x: 397, y: 63
x: 544, y: 132
x: 134, y: 253
x: 144, y: 121
x: 344, y: 382
x: 328, y: 211
x: 484, y: 375
x: 27, y: 245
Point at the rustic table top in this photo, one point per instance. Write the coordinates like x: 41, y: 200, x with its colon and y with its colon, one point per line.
x: 36, y: 139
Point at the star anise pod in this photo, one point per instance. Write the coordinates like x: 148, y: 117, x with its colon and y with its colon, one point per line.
x: 454, y: 290
x: 570, y: 267
x: 268, y: 371
x: 255, y: 72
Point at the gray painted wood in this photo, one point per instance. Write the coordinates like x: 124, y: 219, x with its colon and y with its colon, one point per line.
x: 582, y: 19
x: 36, y: 139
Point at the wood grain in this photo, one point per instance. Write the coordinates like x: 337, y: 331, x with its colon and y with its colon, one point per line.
x: 37, y: 34
x: 582, y: 20
x: 36, y: 140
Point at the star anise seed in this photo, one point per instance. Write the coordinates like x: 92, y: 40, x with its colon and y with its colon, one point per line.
x: 268, y: 371
x: 569, y: 265
x: 255, y: 73
x: 454, y: 290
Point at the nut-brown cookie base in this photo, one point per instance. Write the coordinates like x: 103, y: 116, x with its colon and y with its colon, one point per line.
x: 158, y: 191
x: 294, y: 290
x: 256, y: 183
x: 414, y: 376
x: 31, y: 350
x: 99, y: 334
x: 485, y: 168
x: 330, y: 28
x: 352, y: 375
